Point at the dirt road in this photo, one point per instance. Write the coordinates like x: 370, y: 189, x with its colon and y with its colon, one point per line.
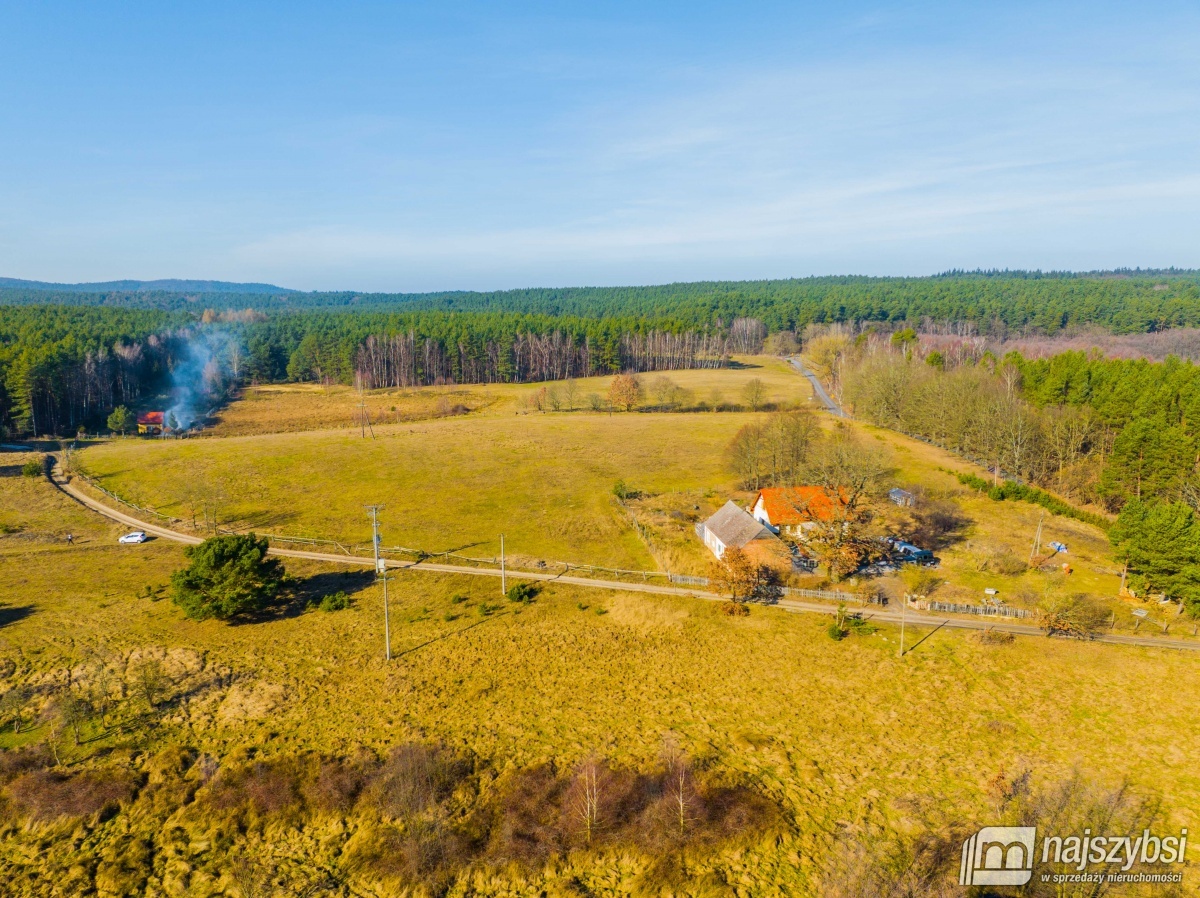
x: 916, y: 621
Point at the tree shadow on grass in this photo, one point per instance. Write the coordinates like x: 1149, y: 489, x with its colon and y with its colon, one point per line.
x: 448, y: 634
x: 936, y: 524
x: 267, y: 519
x: 462, y: 548
x: 10, y: 614
x: 307, y: 593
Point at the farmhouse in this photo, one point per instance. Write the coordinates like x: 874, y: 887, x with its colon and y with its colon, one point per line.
x: 731, y: 528
x: 792, y: 509
x: 903, y: 498
x: 151, y: 422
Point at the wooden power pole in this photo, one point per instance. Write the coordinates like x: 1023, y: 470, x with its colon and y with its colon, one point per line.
x: 381, y: 572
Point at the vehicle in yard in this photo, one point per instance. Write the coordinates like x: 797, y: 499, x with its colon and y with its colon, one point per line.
x: 134, y: 538
x: 906, y: 553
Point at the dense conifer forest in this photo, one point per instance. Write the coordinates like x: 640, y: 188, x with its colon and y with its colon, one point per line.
x: 1124, y: 301
x: 909, y: 353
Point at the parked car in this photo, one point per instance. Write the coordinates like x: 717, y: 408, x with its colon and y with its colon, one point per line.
x: 138, y: 536
x: 907, y: 553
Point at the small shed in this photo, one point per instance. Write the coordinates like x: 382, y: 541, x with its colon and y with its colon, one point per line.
x: 151, y: 422
x: 903, y: 498
x: 731, y: 528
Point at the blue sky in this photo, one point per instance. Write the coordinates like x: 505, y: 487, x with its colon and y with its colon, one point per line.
x: 434, y: 146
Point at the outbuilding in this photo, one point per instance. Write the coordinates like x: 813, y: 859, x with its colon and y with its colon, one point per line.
x: 731, y: 528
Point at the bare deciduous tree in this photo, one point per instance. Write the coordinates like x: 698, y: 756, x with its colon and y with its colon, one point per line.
x: 13, y: 706
x: 773, y: 453
x: 851, y: 475
x: 151, y: 682
x: 666, y: 391
x: 584, y: 799
x: 681, y: 792
x: 755, y: 393
x: 743, y: 579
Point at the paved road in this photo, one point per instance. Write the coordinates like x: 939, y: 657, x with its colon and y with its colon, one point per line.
x: 826, y: 400
x: 914, y: 619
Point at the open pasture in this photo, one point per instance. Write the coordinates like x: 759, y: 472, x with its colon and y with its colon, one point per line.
x: 545, y: 481
x: 542, y: 478
x: 286, y: 408
x: 840, y: 735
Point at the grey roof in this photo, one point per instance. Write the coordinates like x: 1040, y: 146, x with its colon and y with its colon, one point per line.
x: 733, y: 527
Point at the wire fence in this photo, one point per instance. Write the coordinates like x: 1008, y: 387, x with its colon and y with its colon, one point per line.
x: 982, y: 610
x: 68, y: 468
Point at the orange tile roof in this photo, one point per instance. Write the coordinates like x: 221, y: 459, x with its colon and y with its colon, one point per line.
x: 787, y: 506
x: 770, y: 552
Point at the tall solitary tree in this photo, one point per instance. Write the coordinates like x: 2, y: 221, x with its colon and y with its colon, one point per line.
x: 625, y: 391
x: 120, y: 420
x: 755, y: 394
x: 227, y: 576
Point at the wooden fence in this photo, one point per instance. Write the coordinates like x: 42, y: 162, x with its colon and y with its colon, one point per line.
x: 984, y: 610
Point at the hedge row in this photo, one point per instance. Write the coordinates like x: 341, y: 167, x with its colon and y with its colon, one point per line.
x: 1012, y: 490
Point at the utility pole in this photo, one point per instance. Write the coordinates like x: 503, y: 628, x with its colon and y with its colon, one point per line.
x: 1037, y: 539
x: 903, y: 618
x: 381, y: 570
x: 503, y: 579
x: 364, y: 419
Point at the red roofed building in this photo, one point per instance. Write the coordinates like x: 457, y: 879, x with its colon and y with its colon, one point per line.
x: 151, y: 422
x: 793, y: 508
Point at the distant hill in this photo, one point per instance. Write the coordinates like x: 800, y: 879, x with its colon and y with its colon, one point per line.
x: 164, y: 285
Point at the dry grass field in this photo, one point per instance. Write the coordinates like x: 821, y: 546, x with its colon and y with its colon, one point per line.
x: 545, y: 479
x: 286, y: 408
x: 843, y: 737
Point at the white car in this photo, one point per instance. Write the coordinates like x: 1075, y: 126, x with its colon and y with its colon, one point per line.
x: 138, y: 536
